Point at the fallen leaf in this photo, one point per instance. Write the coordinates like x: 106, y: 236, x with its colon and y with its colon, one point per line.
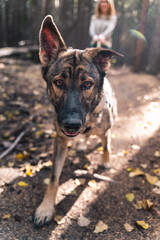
x: 114, y: 135
x: 157, y: 171
x: 2, y: 118
x: 10, y: 164
x: 145, y: 204
x: 19, y: 156
x: 142, y: 224
x: 100, y: 227
x: 120, y: 154
x: 157, y: 184
x: 151, y: 179
x: 83, y: 221
x: 123, y: 153
x: 92, y: 183
x: 22, y: 184
x: 6, y: 216
x: 6, y: 134
x: 54, y: 135
x: 156, y: 154
x: 48, y: 131
x: 86, y: 166
x: 156, y: 190
x: 128, y: 227
x: 43, y: 155
x: 72, y: 153
x: 135, y: 172
x: 144, y: 165
x: 47, y: 164
x: 100, y: 149
x: 46, y: 181
x: 135, y: 147
x: 29, y: 169
x: 59, y: 219
x: 16, y: 112
x: 130, y: 197
x: 32, y: 149
x: 39, y: 133
x: 80, y: 181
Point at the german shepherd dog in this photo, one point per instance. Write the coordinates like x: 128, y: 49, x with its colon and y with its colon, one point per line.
x: 82, y: 98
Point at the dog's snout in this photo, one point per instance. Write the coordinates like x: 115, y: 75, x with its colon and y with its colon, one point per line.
x: 71, y: 127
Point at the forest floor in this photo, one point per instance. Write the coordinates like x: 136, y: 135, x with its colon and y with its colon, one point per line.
x: 135, y: 194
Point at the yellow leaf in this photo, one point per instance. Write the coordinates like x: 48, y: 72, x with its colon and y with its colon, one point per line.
x: 22, y: 184
x: 72, y: 153
x: 54, y: 135
x: 6, y: 216
x: 130, y: 169
x: 151, y: 179
x: 10, y: 164
x: 19, y: 156
x: 100, y: 227
x: 17, y: 112
x: 39, y: 133
x: 145, y: 204
x: 142, y: 224
x: 157, y: 171
x: 6, y: 134
x: 92, y: 183
x: 100, y: 149
x: 59, y: 219
x: 135, y: 172
x: 130, y: 197
x: 86, y: 166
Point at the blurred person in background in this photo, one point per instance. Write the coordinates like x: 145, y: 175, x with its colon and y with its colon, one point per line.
x: 102, y: 24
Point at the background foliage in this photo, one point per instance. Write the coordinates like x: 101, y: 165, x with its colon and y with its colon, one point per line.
x: 20, y: 22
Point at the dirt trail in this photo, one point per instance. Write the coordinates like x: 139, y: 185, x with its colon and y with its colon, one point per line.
x: 135, y: 144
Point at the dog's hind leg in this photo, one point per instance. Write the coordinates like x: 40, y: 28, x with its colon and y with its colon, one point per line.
x: 46, y: 209
x: 106, y: 143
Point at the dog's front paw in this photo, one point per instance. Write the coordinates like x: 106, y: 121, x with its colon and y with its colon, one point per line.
x: 43, y: 214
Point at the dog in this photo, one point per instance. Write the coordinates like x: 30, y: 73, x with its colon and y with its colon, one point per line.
x: 82, y: 99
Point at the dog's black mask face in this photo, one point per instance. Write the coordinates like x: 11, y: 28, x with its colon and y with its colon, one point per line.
x: 74, y: 77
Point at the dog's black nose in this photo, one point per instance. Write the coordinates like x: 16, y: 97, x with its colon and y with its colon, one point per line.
x: 71, y: 127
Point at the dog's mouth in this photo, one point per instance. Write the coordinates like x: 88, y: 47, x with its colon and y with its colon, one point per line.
x: 71, y: 132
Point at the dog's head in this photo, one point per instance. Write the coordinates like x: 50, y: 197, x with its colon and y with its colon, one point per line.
x: 74, y: 77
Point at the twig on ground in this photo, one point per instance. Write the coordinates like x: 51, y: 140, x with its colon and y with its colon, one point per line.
x: 85, y: 174
x: 14, y: 144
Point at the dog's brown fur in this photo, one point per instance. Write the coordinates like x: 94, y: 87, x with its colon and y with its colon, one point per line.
x: 82, y: 98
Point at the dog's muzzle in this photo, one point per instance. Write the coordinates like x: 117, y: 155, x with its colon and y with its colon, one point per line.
x: 71, y: 127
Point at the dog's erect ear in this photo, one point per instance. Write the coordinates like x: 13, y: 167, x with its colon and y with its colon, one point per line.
x: 51, y: 41
x: 101, y: 57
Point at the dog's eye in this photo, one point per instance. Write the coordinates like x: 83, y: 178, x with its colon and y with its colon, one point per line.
x: 60, y: 84
x: 86, y: 85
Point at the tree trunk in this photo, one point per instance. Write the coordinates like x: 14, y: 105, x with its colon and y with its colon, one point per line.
x: 154, y: 55
x: 142, y: 28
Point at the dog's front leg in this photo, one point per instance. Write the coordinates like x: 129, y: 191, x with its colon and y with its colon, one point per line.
x: 45, y: 211
x: 106, y: 143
